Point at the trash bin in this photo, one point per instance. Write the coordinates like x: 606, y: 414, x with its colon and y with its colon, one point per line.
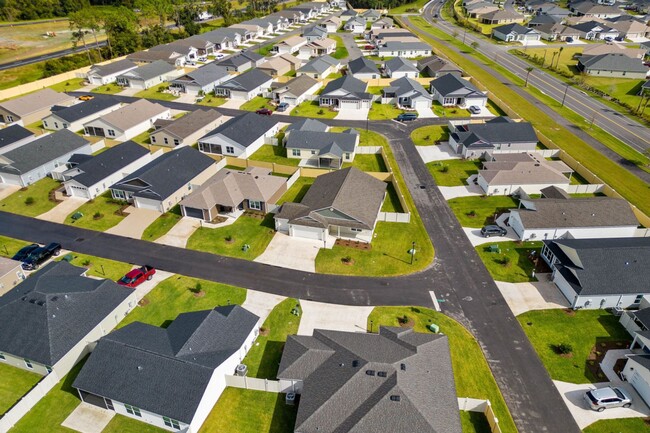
x: 494, y: 249
x: 68, y: 257
x: 434, y: 328
x: 245, y: 248
x: 75, y: 216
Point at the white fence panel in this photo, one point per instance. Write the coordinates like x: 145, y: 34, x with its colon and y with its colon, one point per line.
x: 97, y: 146
x: 255, y: 384
x: 368, y: 150
x: 546, y: 153
x: 294, y: 177
x: 28, y: 401
x: 471, y: 404
x: 628, y: 323
x: 585, y: 189
x: 394, y: 217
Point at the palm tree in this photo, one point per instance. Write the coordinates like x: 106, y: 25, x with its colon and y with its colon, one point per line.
x: 528, y: 71
x: 559, y: 54
x: 474, y: 45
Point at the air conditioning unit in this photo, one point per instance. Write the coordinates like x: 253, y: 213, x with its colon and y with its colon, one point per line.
x: 241, y: 370
x: 290, y: 398
x: 617, y: 311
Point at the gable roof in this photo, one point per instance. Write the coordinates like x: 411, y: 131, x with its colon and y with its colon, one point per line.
x: 277, y: 63
x: 502, y: 14
x: 315, y: 31
x: 246, y: 82
x: 399, y: 64
x: 112, y: 68
x: 524, y: 168
x: 452, y: 85
x: 12, y: 134
x: 57, y: 307
x: 643, y: 316
x: 404, y: 45
x: 590, y: 26
x: 190, y: 123
x: 407, y: 87
x: 133, y: 114
x: 319, y: 64
x: 343, y: 391
x: 297, y: 86
x: 436, y: 64
x: 150, y: 70
x: 240, y: 59
x: 205, y: 75
x: 166, y: 371
x: 613, y: 62
x: 244, y: 129
x: 497, y: 130
x: 336, y: 143
x: 513, y: 28
x: 349, y: 86
x: 84, y: 109
x: 596, y: 49
x: 33, y: 102
x: 362, y: 65
x: 307, y: 124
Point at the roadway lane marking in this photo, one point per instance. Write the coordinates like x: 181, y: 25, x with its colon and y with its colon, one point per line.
x: 436, y: 305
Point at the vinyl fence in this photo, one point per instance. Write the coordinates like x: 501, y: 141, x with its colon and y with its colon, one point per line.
x: 585, y: 189
x: 29, y: 400
x: 483, y: 406
x: 394, y: 217
x: 252, y: 383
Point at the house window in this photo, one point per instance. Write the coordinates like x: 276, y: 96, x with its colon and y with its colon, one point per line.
x: 65, y: 126
x: 86, y: 131
x: 153, y: 138
x: 111, y: 133
x: 28, y: 363
x: 165, y: 140
x: 176, y: 142
x: 119, y: 194
x: 638, y: 299
x: 347, y: 155
x: 295, y: 152
x: 355, y: 230
x: 171, y: 423
x: 132, y: 410
x: 256, y: 205
x: 49, y: 369
x: 2, y: 356
x: 56, y: 125
x: 45, y: 123
x: 10, y: 119
x: 313, y: 152
x: 230, y: 149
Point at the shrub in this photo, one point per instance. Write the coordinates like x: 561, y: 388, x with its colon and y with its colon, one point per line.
x: 563, y: 348
x: 444, y: 169
x: 505, y: 260
x: 29, y: 201
x: 403, y: 320
x: 85, y: 262
x: 228, y: 238
x: 347, y: 259
x: 471, y: 214
x: 321, y: 112
x: 98, y: 215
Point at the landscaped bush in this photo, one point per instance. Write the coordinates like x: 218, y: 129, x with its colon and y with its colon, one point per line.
x: 29, y: 201
x: 563, y: 348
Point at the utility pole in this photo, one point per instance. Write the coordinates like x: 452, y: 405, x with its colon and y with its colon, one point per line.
x: 565, y: 92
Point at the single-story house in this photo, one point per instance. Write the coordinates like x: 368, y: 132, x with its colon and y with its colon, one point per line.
x: 280, y: 65
x: 314, y: 33
x: 148, y: 75
x: 319, y: 47
x: 170, y: 56
x: 73, y: 117
x: 251, y: 31
x: 186, y: 130
x: 349, y: 13
x: 404, y: 49
x: 356, y: 25
x: 380, y: 36
x: 245, y: 86
x: 291, y: 15
x: 637, y: 373
x: 501, y: 16
x: 600, y: 273
x: 595, y: 10
x: 203, y: 46
x: 542, y: 19
x: 450, y: 90
x: 188, y: 52
x: 577, y: 218
x: 435, y: 67
x: 557, y: 32
x: 591, y: 30
x: 612, y: 65
x: 332, y: 24
x: 629, y: 28
x: 105, y: 74
x: 397, y: 67
x: 230, y: 193
x: 363, y: 69
x: 61, y: 313
x: 240, y: 136
x: 32, y: 107
x: 371, y: 15
x: 93, y: 176
x: 516, y: 33
x: 242, y: 62
x: 222, y: 38
x: 382, y: 23
x: 200, y: 80
x: 472, y: 140
x: 406, y: 93
x: 36, y: 159
x: 11, y: 273
x: 396, y: 380
x: 474, y: 10
x: 343, y: 203
x: 165, y: 181
x: 170, y: 377
x: 13, y: 137
x: 290, y: 45
x: 346, y: 93
x: 320, y: 67
x: 598, y: 49
x: 296, y: 90
x: 127, y: 122
x: 309, y: 141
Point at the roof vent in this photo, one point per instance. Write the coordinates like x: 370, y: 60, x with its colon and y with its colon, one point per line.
x: 140, y: 368
x: 370, y: 372
x: 402, y: 367
x: 593, y: 214
x: 395, y: 398
x: 382, y: 374
x: 355, y: 363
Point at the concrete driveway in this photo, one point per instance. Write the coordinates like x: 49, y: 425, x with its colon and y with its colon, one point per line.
x: 441, y: 152
x: 291, y: 253
x: 540, y: 295
x: 572, y: 394
x: 316, y: 315
x: 353, y: 114
x: 261, y: 303
x: 87, y: 418
x: 7, y: 190
x: 476, y: 238
x: 129, y: 91
x: 60, y: 212
x: 135, y: 223
x: 233, y: 103
x: 426, y: 113
x: 178, y: 235
x: 485, y: 112
x: 449, y: 192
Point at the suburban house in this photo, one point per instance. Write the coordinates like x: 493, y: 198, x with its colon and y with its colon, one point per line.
x: 242, y: 62
x: 371, y: 15
x: 598, y: 49
x: 320, y: 67
x: 296, y: 90
x: 595, y: 10
x: 403, y: 49
x: 577, y: 218
x: 515, y: 33
x: 290, y: 45
x: 435, y: 67
x: 230, y: 193
x: 61, y: 313
x: 222, y: 38
x: 127, y: 122
x: 600, y: 273
x: 240, y: 136
x: 591, y: 30
x: 629, y: 27
x: 33, y: 161
x: 317, y: 48
x: 185, y: 130
x: 394, y: 381
x: 381, y: 36
x: 197, y: 43
x: 245, y: 86
x: 542, y: 19
x: 332, y: 24
x: 33, y: 106
x: 501, y: 16
x: 612, y: 65
x: 309, y: 141
x: 356, y: 25
x: 168, y: 55
x: 291, y: 15
x: 188, y: 52
x: 474, y: 10
x: 280, y: 65
x: 13, y: 137
x: 92, y: 177
x: 73, y: 117
x: 169, y: 377
x: 509, y: 173
x: 148, y: 75
x: 343, y: 203
x: 397, y: 67
x: 105, y: 74
x: 346, y: 93
x: 250, y: 31
x: 637, y: 373
x: 472, y: 140
x: 349, y: 13
x: 163, y: 182
x: 382, y: 23
x: 557, y: 32
x: 314, y: 33
x: 363, y: 69
x: 406, y: 93
x: 450, y: 90
x: 200, y: 80
x: 11, y: 273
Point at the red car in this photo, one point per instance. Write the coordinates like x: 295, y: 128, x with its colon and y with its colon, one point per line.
x: 137, y: 276
x: 264, y: 112
x: 369, y: 47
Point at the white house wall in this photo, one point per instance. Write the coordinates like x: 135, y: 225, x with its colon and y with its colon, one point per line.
x: 606, y: 301
x: 565, y: 288
x: 509, y: 189
x: 639, y: 377
x: 147, y: 417
x: 402, y: 74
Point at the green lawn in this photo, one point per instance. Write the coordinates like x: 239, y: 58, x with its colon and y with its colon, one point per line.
x: 143, y: 138
x: 311, y: 109
x: 257, y: 103
x: 20, y: 75
x: 517, y: 268
x: 453, y: 172
x: 478, y: 211
x: 391, y: 202
x: 375, y: 90
x: 15, y: 383
x: 622, y: 425
x: 583, y: 329
x: 162, y: 224
x: 68, y: 85
x: 100, y: 267
x: 10, y: 246
x: 123, y: 424
x: 229, y: 240
x: 98, y: 214
x: 341, y: 52
x: 474, y: 422
x: 380, y: 111
x: 297, y: 190
x: 156, y: 92
x: 428, y: 135
x: 212, y: 101
x: 625, y: 90
x: 471, y: 371
x: 566, y: 61
x: 38, y: 193
x: 408, y: 7
x: 265, y: 50
x: 178, y: 294
x: 368, y: 162
x: 108, y: 89
x: 245, y: 411
x: 274, y: 154
x: 264, y: 357
x: 441, y: 111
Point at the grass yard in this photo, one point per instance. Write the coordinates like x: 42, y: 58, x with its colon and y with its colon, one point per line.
x: 123, y: 424
x: 274, y: 154
x: 311, y: 109
x: 408, y: 7
x: 453, y: 172
x: 380, y: 111
x: 428, y: 135
x: 10, y: 246
x: 100, y: 267
x: 471, y: 371
x: 511, y: 264
x: 162, y: 224
x: 391, y: 202
x: 441, y: 111
x: 341, y: 52
x: 156, y: 92
x: 69, y: 85
x: 212, y: 101
x: 15, y: 383
x: 178, y: 294
x: 264, y: 357
x: 566, y: 61
x: 368, y: 162
x: 20, y: 75
x: 625, y: 90
x: 245, y: 411
x: 98, y: 214
x: 474, y: 422
x: 33, y: 200
x: 229, y: 240
x: 622, y: 425
x: 108, y: 89
x: 143, y: 138
x: 297, y: 190
x: 581, y: 329
x: 478, y: 211
x: 256, y: 103
x: 265, y: 50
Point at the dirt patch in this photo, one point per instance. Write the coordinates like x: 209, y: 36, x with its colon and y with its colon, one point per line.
x: 143, y: 302
x: 569, y: 312
x: 120, y: 211
x: 566, y: 355
x: 406, y: 322
x: 229, y: 241
x: 598, y: 352
x: 264, y: 331
x: 353, y: 244
x: 347, y: 261
x: 218, y: 220
x: 199, y: 294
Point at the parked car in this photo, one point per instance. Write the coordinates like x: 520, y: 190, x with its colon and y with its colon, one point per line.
x: 493, y: 230
x: 219, y: 56
x: 40, y: 255
x: 369, y: 47
x: 86, y: 97
x: 264, y: 112
x: 604, y: 398
x: 569, y: 39
x: 608, y: 39
x: 475, y: 109
x: 407, y: 117
x: 24, y: 252
x: 283, y: 106
x: 137, y: 276
x: 203, y: 59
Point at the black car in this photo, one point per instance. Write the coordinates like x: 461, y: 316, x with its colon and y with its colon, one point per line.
x: 41, y: 255
x: 493, y: 230
x: 24, y: 252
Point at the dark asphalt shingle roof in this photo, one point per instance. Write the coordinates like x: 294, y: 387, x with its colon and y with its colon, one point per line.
x: 400, y: 64
x: 643, y: 316
x: 12, y: 134
x: 246, y: 82
x: 205, y: 75
x: 347, y: 87
x: 112, y: 68
x: 613, y: 62
x: 166, y: 371
x: 497, y: 130
x: 244, y: 129
x: 85, y: 109
x: 46, y: 315
x: 323, y: 142
x: 240, y: 59
x: 362, y: 65
x: 590, y: 26
x: 452, y: 85
x: 644, y: 360
x: 150, y: 70
x: 319, y: 64
x: 513, y: 28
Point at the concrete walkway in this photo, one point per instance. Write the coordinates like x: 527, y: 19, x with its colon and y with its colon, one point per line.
x: 449, y: 192
x: 178, y: 235
x: 7, y: 190
x: 87, y: 418
x: 476, y: 238
x: 540, y: 295
x: 135, y: 223
x: 261, y: 303
x: 441, y: 152
x: 60, y: 212
x: 292, y: 252
x: 316, y: 315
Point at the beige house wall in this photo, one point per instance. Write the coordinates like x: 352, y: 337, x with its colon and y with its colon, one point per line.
x: 9, y: 280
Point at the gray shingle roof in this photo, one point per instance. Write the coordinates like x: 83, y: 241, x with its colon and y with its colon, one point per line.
x: 435, y: 64
x: 249, y: 80
x: 604, y: 266
x: 315, y: 31
x: 323, y: 142
x: 41, y: 151
x: 319, y: 64
x: 297, y: 86
x: 205, y: 75
x: 400, y: 45
x: 132, y: 114
x: 307, y: 124
x: 494, y: 131
x: 514, y: 28
x: 244, y: 129
x: 644, y: 360
x: 46, y: 315
x: 12, y: 134
x: 166, y: 174
x: 400, y: 64
x: 85, y: 109
x: 240, y: 59
x: 643, y: 316
x: 451, y: 85
x: 33, y: 102
x: 591, y: 25
x: 613, y: 62
x: 362, y: 65
x: 339, y: 394
x: 150, y: 70
x: 190, y: 123
x: 112, y: 68
x: 407, y: 88
x: 353, y: 87
x: 166, y: 371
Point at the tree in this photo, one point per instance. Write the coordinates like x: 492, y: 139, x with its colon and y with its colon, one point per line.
x: 559, y: 54
x: 474, y: 45
x: 528, y: 71
x: 79, y: 32
x: 186, y: 16
x: 156, y: 35
x: 223, y: 8
x: 87, y: 19
x: 162, y: 9
x: 122, y: 31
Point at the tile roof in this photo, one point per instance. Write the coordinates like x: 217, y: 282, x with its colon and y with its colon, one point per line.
x: 12, y: 134
x: 84, y: 109
x: 33, y: 102
x: 244, y: 129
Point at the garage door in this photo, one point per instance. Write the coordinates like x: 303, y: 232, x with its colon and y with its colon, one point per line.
x: 306, y: 232
x: 148, y: 204
x: 193, y: 212
x: 641, y: 386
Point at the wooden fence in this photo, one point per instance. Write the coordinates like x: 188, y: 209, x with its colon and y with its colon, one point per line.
x: 483, y: 406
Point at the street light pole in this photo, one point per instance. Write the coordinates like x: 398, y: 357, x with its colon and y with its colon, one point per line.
x: 464, y: 34
x: 566, y: 89
x: 412, y: 251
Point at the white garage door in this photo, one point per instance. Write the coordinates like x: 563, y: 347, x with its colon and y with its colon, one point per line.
x: 479, y: 102
x: 306, y: 232
x: 420, y: 105
x: 148, y: 204
x: 641, y: 386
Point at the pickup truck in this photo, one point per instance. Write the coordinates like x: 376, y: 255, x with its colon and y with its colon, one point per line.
x: 137, y: 276
x: 40, y: 255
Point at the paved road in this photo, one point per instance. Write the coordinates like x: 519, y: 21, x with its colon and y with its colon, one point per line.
x: 354, y: 52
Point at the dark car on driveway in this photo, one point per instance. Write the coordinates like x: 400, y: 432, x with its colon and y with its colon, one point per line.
x: 493, y: 230
x: 24, y: 252
x: 264, y: 112
x: 40, y: 255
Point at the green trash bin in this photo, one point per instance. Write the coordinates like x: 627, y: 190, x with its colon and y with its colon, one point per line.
x: 75, y: 216
x: 434, y: 328
x: 494, y: 249
x: 245, y: 248
x: 68, y: 257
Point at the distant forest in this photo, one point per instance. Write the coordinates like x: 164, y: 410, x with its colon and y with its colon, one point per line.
x: 378, y: 4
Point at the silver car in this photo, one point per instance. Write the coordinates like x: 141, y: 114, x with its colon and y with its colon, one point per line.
x: 604, y: 398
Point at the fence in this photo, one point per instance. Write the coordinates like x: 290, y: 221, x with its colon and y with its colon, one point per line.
x: 394, y: 217
x: 97, y: 146
x: 546, y: 153
x: 629, y: 324
x: 29, y: 400
x: 585, y: 189
x: 483, y: 406
x: 369, y: 150
x: 252, y: 383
